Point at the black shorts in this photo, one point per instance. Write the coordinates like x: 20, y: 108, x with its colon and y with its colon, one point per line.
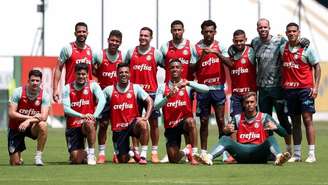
x: 299, y: 101
x: 173, y: 135
x: 206, y: 100
x: 75, y: 139
x: 143, y: 105
x: 16, y: 140
x: 121, y: 139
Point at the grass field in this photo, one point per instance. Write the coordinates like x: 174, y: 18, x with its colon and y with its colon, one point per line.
x: 58, y: 171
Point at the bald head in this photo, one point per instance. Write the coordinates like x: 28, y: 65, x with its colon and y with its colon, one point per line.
x: 263, y: 20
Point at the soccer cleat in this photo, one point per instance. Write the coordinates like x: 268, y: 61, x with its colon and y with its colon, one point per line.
x: 190, y: 158
x: 101, y: 159
x: 154, y: 158
x: 205, y: 159
x: 38, y: 161
x: 282, y: 158
x: 136, y: 156
x: 115, y: 159
x: 310, y: 159
x: 230, y: 160
x: 131, y: 161
x: 294, y: 159
x: 165, y: 159
x: 142, y: 161
x: 91, y: 159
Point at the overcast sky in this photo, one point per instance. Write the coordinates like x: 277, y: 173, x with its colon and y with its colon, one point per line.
x: 20, y: 21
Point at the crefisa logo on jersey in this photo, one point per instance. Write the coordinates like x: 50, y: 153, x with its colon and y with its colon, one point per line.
x: 37, y: 102
x: 148, y: 58
x: 85, y: 92
x: 185, y: 52
x: 128, y: 95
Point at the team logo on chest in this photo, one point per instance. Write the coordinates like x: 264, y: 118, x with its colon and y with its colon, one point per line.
x: 37, y: 102
x: 185, y: 52
x: 129, y: 95
x: 148, y: 57
x: 88, y: 52
x: 181, y: 93
x: 296, y: 56
x: 243, y: 61
x: 85, y: 92
x: 256, y: 125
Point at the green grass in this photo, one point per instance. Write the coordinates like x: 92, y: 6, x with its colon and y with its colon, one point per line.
x: 58, y: 171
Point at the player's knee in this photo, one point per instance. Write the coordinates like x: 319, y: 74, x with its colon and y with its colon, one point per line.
x: 89, y: 125
x: 143, y: 125
x: 77, y: 157
x: 43, y: 127
x: 191, y: 122
x: 204, y: 120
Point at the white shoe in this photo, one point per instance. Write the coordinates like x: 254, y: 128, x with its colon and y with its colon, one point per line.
x: 91, y: 159
x: 38, y: 161
x: 282, y: 158
x: 165, y: 159
x: 206, y: 159
x: 310, y: 159
x: 295, y: 159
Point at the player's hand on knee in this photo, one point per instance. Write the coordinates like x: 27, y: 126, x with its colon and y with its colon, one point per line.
x: 22, y: 127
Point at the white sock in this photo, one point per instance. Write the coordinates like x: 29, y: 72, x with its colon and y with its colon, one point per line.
x: 194, y: 151
x: 144, y: 151
x: 136, y: 149
x: 131, y: 153
x: 38, y: 153
x: 203, y: 152
x: 185, y: 151
x: 225, y: 155
x: 297, y: 150
x: 154, y: 149
x: 311, y: 149
x: 102, y: 149
x: 210, y: 157
x: 91, y: 151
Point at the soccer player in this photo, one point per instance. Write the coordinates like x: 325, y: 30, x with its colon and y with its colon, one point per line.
x: 242, y: 72
x: 301, y: 89
x: 28, y: 112
x: 173, y: 97
x: 268, y: 76
x: 254, y: 144
x: 178, y: 48
x: 79, y: 106
x: 72, y: 54
x: 124, y: 116
x: 210, y: 56
x: 105, y: 64
x: 143, y: 61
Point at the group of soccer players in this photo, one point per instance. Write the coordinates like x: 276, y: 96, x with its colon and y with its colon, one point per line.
x: 126, y: 95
